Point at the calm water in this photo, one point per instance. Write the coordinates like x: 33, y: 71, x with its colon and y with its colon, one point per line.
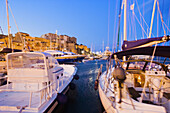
x: 84, y: 99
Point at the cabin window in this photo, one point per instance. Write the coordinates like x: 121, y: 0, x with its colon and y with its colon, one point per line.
x: 52, y: 62
x: 34, y: 61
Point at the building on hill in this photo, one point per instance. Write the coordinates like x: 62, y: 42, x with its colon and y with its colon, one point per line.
x: 47, y: 41
x: 61, y: 42
x: 82, y: 49
x: 3, y: 41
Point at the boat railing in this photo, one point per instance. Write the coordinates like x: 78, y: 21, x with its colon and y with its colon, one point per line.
x: 45, y: 93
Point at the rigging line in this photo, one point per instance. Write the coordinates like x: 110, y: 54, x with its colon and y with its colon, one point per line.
x: 16, y: 24
x: 140, y: 25
x: 161, y: 17
x: 130, y: 30
x: 168, y: 17
x: 152, y: 18
x: 166, y: 26
x: 140, y: 17
x: 114, y: 42
x: 152, y: 56
x: 108, y: 23
x: 4, y: 37
x: 143, y: 13
x: 121, y: 4
x: 134, y: 28
x: 157, y: 23
x: 143, y: 91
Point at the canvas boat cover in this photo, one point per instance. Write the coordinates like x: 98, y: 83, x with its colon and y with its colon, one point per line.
x: 144, y: 42
x: 162, y: 51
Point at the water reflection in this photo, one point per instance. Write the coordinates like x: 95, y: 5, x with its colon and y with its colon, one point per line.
x: 84, y: 99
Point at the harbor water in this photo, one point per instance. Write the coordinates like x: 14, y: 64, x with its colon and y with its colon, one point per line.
x: 84, y: 99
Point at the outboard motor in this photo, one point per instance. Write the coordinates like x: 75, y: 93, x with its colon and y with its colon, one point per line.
x: 119, y: 75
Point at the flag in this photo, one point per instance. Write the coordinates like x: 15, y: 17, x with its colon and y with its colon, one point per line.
x: 132, y: 6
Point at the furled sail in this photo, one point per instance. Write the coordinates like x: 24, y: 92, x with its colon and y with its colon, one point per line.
x: 144, y: 42
x: 160, y: 51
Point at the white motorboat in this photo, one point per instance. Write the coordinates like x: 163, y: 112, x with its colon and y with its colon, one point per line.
x: 36, y: 83
x: 62, y: 57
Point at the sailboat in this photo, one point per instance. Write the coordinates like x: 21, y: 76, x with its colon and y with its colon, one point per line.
x: 136, y: 84
x: 8, y: 48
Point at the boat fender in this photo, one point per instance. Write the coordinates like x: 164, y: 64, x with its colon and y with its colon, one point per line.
x: 72, y: 86
x: 57, y: 77
x: 61, y: 98
x: 96, y: 84
x: 119, y: 74
x: 76, y: 77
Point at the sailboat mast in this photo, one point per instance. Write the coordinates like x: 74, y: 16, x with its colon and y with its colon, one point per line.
x: 153, y: 12
x: 9, y: 40
x: 125, y: 28
x: 119, y: 26
x: 125, y: 19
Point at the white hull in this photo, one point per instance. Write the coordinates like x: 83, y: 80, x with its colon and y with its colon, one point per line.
x: 51, y: 106
x: 112, y: 106
x: 106, y: 102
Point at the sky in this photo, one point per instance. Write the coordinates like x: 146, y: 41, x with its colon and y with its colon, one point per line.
x: 92, y: 22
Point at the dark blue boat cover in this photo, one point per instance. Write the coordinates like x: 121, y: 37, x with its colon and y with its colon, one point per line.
x: 162, y: 51
x: 144, y: 42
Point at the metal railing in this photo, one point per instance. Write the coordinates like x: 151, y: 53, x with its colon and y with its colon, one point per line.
x: 45, y: 93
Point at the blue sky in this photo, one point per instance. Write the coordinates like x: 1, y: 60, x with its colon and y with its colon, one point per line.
x: 90, y: 21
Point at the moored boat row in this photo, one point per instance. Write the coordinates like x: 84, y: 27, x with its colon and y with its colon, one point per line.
x: 66, y: 57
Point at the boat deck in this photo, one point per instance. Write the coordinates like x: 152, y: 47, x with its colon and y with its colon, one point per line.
x: 19, y: 99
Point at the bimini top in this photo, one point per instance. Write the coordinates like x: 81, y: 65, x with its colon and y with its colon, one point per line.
x: 31, y: 53
x: 162, y: 51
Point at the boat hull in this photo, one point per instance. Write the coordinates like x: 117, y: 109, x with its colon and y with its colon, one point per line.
x: 105, y: 101
x: 111, y: 103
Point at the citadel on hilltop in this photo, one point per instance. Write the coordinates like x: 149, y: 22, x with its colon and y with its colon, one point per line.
x: 47, y: 41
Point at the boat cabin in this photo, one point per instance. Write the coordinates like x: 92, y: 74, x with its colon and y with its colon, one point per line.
x: 31, y: 71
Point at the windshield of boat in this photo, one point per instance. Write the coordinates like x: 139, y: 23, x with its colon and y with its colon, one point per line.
x: 142, y: 65
x: 51, y: 62
x: 26, y: 60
